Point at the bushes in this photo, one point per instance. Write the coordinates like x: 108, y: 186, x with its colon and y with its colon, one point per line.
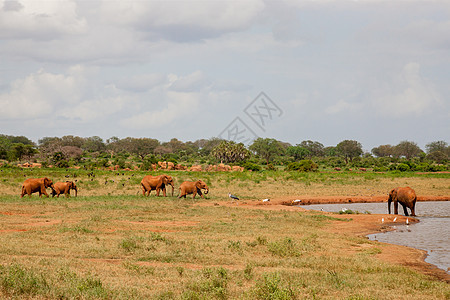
x: 251, y: 166
x: 403, y: 167
x: 305, y: 165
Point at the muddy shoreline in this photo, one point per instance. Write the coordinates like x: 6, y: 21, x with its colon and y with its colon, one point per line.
x: 361, y: 225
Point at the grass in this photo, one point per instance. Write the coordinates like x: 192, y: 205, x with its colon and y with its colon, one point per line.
x: 125, y: 246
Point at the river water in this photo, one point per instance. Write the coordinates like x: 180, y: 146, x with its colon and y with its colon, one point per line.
x: 432, y: 233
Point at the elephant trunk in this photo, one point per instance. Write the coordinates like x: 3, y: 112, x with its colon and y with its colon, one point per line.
x: 172, y: 189
x: 76, y: 191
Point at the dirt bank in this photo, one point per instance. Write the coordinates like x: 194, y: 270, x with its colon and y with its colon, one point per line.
x: 360, y: 225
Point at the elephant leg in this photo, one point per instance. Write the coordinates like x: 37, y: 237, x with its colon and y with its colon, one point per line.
x: 413, y: 213
x: 200, y: 194
x: 405, y: 209
x: 164, y: 192
x: 395, y: 208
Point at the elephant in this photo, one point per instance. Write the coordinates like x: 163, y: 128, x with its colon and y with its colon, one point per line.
x: 33, y: 185
x: 157, y: 183
x: 191, y: 187
x: 64, y: 188
x: 406, y: 196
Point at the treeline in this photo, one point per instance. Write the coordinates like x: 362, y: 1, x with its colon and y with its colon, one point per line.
x: 267, y: 153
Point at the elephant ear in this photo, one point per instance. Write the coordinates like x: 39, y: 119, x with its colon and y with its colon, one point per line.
x: 392, y: 193
x: 198, y: 184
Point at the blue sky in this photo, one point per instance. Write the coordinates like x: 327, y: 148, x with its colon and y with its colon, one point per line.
x: 373, y: 71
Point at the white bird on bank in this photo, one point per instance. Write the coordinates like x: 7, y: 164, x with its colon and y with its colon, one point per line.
x: 265, y: 200
x: 296, y: 201
x: 382, y: 220
x: 407, y: 221
x: 233, y: 196
x: 395, y: 219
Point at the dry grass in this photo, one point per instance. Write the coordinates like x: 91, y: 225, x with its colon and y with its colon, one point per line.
x: 133, y: 247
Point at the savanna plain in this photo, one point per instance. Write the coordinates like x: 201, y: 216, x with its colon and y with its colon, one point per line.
x: 111, y: 242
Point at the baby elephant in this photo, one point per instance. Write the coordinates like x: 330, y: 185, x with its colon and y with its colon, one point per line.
x: 191, y: 187
x: 64, y: 188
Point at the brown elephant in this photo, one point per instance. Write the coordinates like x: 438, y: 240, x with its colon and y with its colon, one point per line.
x: 33, y: 185
x: 406, y: 196
x: 191, y: 187
x: 158, y: 183
x: 64, y: 188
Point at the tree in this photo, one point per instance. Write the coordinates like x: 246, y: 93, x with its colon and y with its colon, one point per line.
x: 383, y: 151
x: 230, y: 152
x: 314, y: 148
x: 298, y: 152
x: 18, y: 151
x: 407, y: 149
x: 349, y: 149
x: 93, y: 144
x: 436, y: 146
x: 205, y: 146
x: 267, y: 148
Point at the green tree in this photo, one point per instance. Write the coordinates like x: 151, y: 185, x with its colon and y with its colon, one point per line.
x: 267, y: 148
x: 349, y: 149
x: 314, y: 148
x: 407, y: 149
x: 93, y: 144
x: 383, y: 151
x: 298, y: 152
x: 230, y: 152
x: 436, y: 146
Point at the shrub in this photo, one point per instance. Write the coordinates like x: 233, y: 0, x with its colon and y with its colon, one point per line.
x: 251, y: 166
x: 305, y: 165
x: 403, y: 167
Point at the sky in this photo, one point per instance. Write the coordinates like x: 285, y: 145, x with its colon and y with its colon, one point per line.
x: 373, y: 71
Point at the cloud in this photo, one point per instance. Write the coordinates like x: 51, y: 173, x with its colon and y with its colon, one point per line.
x: 179, y: 105
x: 39, y: 94
x: 183, y: 21
x: 410, y: 94
x: 29, y: 19
x: 190, y: 83
x: 342, y: 106
x: 142, y: 82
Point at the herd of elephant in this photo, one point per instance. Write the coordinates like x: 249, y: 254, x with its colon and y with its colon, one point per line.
x: 148, y: 184
x: 406, y: 196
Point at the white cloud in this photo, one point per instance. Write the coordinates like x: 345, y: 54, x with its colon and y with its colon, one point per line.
x: 179, y: 106
x: 410, y: 94
x: 38, y: 95
x: 190, y: 83
x: 39, y: 19
x: 342, y: 106
x: 183, y: 20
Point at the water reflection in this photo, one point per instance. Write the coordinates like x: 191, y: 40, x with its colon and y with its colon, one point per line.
x: 432, y: 233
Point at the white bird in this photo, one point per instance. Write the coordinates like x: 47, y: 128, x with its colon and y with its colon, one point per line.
x: 321, y: 209
x: 265, y: 200
x: 382, y: 220
x: 407, y: 221
x: 233, y: 196
x: 296, y: 201
x: 395, y: 219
